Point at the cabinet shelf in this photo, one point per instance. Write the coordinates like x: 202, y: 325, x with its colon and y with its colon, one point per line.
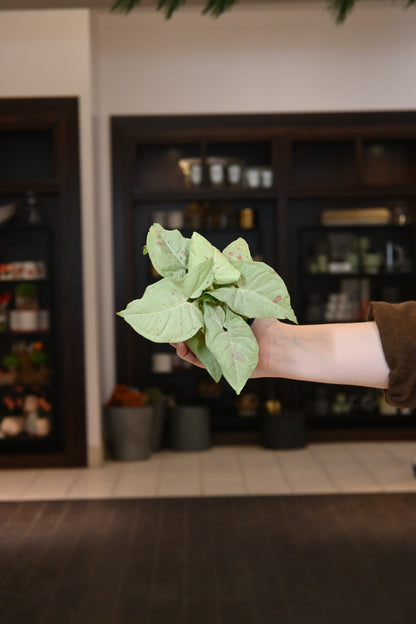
x: 20, y: 187
x: 355, y: 192
x: 341, y: 275
x: 187, y: 195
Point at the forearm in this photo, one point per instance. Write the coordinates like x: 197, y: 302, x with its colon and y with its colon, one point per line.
x: 347, y: 353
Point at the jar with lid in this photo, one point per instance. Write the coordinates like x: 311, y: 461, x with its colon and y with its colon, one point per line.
x: 247, y: 218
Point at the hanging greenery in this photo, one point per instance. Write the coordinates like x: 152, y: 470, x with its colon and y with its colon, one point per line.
x: 215, y: 8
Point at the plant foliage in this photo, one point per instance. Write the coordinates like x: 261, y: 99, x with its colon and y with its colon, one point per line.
x: 205, y: 298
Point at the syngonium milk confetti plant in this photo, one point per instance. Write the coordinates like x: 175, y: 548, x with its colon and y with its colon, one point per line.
x: 205, y: 299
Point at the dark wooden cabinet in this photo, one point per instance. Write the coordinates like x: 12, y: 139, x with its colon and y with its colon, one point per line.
x: 42, y: 394
x: 284, y: 172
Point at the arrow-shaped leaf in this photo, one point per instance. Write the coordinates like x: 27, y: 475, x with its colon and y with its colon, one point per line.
x: 229, y: 337
x: 201, y: 249
x: 237, y: 251
x: 199, y: 348
x: 196, y: 280
x: 163, y: 314
x: 168, y: 251
x: 260, y: 293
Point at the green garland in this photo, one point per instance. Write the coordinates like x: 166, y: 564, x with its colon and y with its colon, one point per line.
x: 340, y: 8
x: 213, y: 7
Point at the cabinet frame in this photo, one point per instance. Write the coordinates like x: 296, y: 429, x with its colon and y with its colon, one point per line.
x: 283, y: 132
x: 61, y: 117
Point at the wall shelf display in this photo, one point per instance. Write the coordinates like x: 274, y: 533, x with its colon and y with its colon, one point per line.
x: 42, y: 403
x: 327, y: 199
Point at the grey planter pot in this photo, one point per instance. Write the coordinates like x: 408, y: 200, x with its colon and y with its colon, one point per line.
x: 190, y: 428
x: 130, y: 432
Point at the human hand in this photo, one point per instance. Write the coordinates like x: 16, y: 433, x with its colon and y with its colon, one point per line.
x: 264, y: 331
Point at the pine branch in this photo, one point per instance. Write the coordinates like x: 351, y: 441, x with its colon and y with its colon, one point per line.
x: 342, y: 8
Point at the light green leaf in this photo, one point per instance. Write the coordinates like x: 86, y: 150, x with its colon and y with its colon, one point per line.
x: 168, y: 251
x: 163, y: 314
x: 201, y: 249
x: 196, y: 280
x: 237, y: 251
x: 199, y: 348
x: 233, y: 344
x: 260, y: 293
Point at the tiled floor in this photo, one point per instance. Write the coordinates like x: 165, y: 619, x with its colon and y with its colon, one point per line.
x: 227, y: 471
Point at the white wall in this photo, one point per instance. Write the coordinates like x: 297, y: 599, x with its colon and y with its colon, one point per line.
x: 48, y: 53
x: 281, y: 58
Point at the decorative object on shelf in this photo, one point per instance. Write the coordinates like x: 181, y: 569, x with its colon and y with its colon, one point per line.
x: 32, y: 208
x: 25, y: 414
x: 204, y: 288
x: 28, y: 270
x: 372, y: 262
x: 247, y: 218
x: 209, y: 389
x: 26, y: 364
x: 10, y: 364
x: 5, y: 298
x: 38, y: 372
x: 162, y: 363
x: 216, y: 170
x: 235, y: 173
x: 266, y: 177
x: 27, y: 317
x: 193, y: 216
x: 400, y: 213
x: 44, y: 416
x: 248, y: 404
x: 395, y: 257
x: 12, y: 419
x: 175, y: 219
x: 357, y: 216
x: 252, y: 177
x: 192, y: 171
x: 340, y: 405
x: 7, y: 211
x: 26, y: 296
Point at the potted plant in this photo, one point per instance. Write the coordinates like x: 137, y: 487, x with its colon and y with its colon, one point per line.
x: 129, y: 421
x: 39, y: 360
x: 10, y: 364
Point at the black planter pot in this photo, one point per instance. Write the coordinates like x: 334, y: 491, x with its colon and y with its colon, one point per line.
x: 286, y: 430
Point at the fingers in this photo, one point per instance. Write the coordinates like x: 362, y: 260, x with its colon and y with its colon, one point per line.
x: 184, y: 352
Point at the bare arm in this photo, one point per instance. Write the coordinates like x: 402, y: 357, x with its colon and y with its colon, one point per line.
x: 344, y: 353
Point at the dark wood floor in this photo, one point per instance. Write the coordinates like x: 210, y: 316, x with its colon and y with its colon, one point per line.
x: 347, y: 559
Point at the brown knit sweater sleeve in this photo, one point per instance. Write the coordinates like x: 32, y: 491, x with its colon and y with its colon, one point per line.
x: 396, y: 324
